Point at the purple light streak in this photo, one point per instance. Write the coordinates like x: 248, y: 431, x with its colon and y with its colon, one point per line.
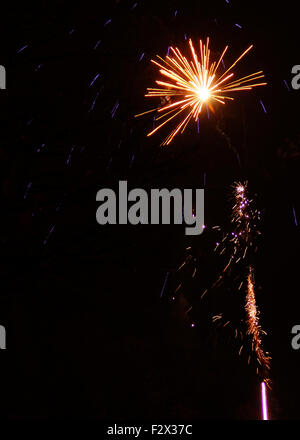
x: 94, y: 79
x: 22, y: 48
x: 93, y: 103
x: 97, y: 44
x: 295, y: 216
x: 164, y: 285
x: 264, y: 108
x: 114, y: 109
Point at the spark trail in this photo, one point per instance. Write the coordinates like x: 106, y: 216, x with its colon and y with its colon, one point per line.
x: 238, y: 248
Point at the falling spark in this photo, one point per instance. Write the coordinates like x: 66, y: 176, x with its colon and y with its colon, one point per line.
x: 114, y: 109
x: 108, y: 165
x: 94, y: 79
x: 58, y: 207
x: 132, y: 160
x: 27, y: 190
x: 94, y: 102
x: 264, y: 108
x: 193, y: 84
x: 97, y: 44
x: 40, y: 148
x: 38, y: 67
x: 22, y: 48
x: 70, y: 155
x: 295, y: 216
x: 48, y: 235
x: 286, y: 85
x: 264, y: 401
x: 164, y: 285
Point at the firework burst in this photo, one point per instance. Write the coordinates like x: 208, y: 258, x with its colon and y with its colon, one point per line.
x: 193, y: 84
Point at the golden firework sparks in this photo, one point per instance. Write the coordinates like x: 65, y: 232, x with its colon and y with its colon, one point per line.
x: 254, y: 329
x: 194, y: 83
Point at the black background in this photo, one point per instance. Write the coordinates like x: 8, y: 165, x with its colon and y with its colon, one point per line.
x: 88, y: 334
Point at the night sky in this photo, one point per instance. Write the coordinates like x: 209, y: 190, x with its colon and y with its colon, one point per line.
x: 89, y: 334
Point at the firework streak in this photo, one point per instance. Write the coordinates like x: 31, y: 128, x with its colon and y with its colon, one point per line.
x: 238, y: 248
x: 254, y: 329
x: 243, y: 219
x: 194, y: 83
